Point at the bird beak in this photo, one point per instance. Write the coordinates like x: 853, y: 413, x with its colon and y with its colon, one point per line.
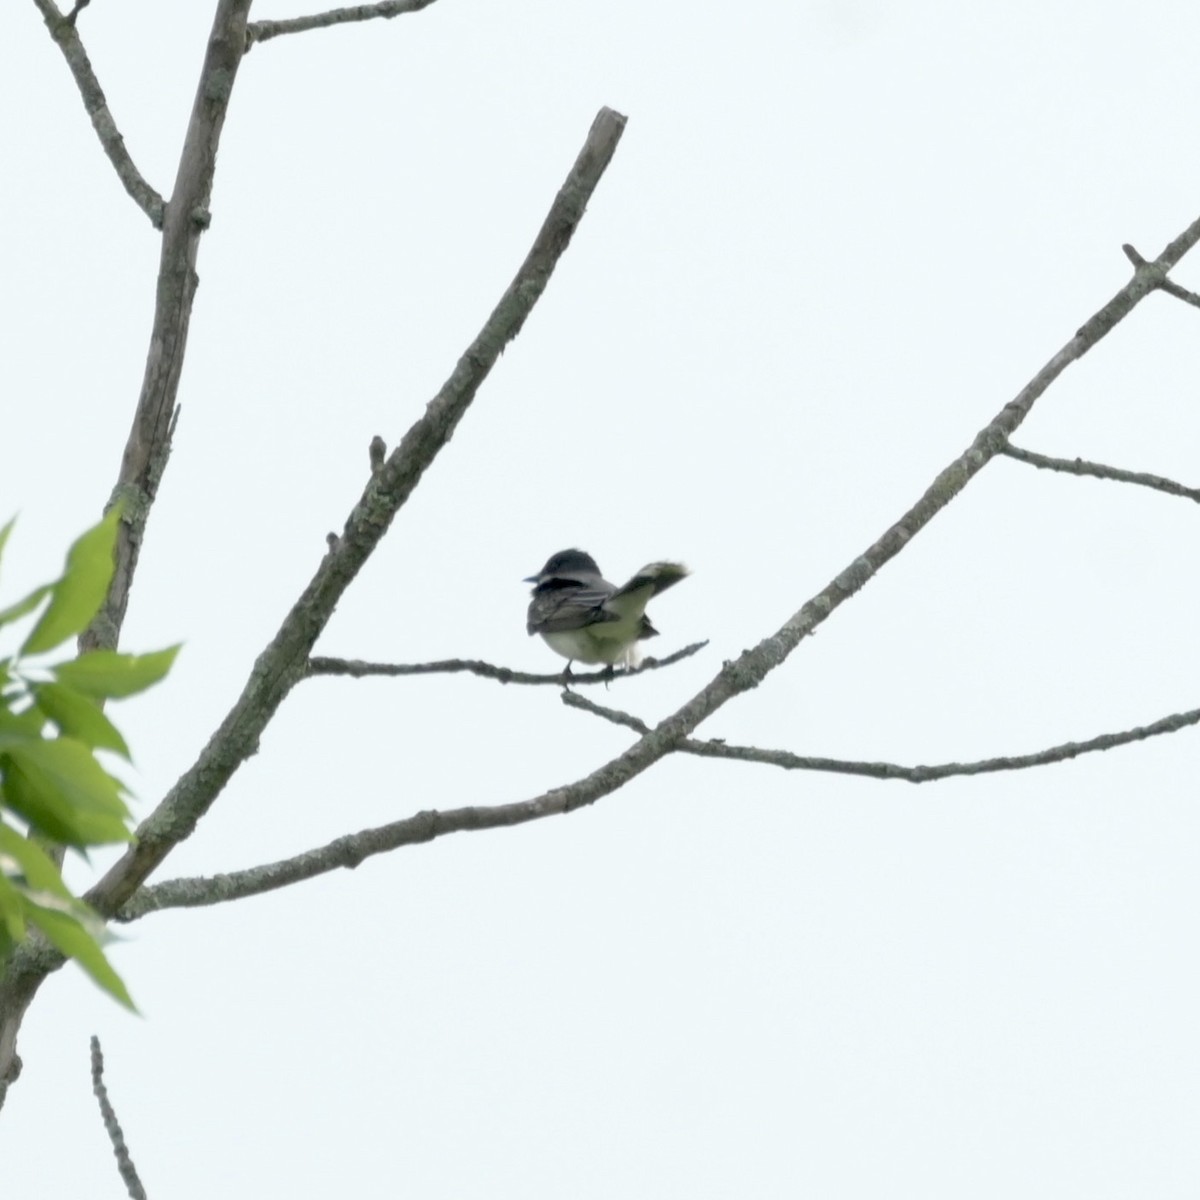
x: 531, y: 579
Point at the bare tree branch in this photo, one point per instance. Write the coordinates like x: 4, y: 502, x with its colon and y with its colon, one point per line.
x: 349, y: 851
x: 185, y: 220
x: 344, y: 852
x: 133, y: 1185
x: 1079, y: 466
x: 736, y: 676
x: 283, y: 663
x: 358, y: 669
x: 717, y: 748
x: 264, y: 31
x: 62, y: 30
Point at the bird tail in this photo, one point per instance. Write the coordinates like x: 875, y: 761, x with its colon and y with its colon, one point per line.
x: 629, y: 601
x: 654, y: 578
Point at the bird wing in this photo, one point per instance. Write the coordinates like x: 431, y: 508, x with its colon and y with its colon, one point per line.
x: 565, y: 602
x: 569, y: 605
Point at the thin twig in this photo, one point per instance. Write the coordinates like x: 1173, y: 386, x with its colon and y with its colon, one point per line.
x: 264, y: 31
x: 1079, y: 466
x: 1180, y: 293
x: 358, y: 669
x: 716, y: 748
x: 616, y: 716
x: 63, y: 31
x: 133, y: 1185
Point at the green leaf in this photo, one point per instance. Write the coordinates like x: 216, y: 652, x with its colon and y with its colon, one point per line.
x: 21, y: 727
x: 73, y: 938
x: 64, y: 793
x: 80, y: 717
x: 12, y: 909
x: 14, y: 612
x: 109, y: 674
x: 32, y: 862
x: 8, y: 528
x: 77, y: 596
x: 7, y: 944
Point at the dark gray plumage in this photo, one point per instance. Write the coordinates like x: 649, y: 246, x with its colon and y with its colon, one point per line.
x: 585, y: 618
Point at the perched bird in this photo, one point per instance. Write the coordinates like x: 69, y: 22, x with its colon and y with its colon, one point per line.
x: 585, y: 618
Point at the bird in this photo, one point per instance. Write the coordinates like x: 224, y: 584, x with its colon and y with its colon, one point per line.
x: 586, y: 619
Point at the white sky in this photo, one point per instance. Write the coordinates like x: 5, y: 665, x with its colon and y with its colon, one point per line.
x: 835, y: 239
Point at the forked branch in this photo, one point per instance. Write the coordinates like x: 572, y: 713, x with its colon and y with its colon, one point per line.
x: 63, y: 31
x: 717, y: 748
x: 735, y: 677
x: 283, y: 662
x: 349, y: 851
x: 149, y: 443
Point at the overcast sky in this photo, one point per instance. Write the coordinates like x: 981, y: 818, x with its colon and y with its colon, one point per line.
x: 836, y: 238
